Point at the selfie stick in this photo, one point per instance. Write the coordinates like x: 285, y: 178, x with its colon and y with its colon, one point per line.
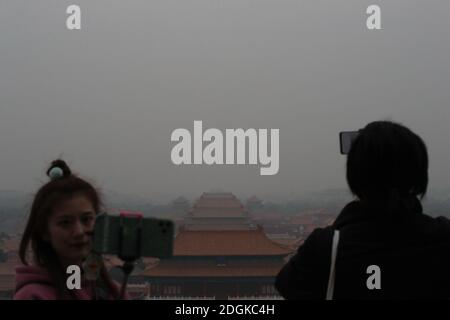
x: 127, y: 268
x: 129, y: 259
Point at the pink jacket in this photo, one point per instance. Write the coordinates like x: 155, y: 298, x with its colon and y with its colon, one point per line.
x: 35, y: 283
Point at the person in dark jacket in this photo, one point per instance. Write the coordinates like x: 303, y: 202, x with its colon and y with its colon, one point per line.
x: 388, y: 248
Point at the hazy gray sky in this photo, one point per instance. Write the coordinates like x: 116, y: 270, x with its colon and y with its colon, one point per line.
x: 107, y: 97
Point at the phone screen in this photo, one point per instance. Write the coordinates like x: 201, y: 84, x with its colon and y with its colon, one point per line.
x: 346, y: 139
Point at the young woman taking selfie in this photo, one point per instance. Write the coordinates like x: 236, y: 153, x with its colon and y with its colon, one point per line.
x: 59, y: 234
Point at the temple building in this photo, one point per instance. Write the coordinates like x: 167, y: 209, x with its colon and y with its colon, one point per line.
x: 219, y: 253
x: 218, y: 211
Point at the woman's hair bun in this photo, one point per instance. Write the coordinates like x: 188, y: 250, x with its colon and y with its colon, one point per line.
x: 58, y: 169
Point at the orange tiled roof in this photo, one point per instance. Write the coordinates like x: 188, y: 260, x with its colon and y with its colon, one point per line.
x: 219, y: 212
x: 219, y: 225
x: 288, y: 242
x: 212, y: 271
x: 222, y: 203
x: 218, y: 204
x: 226, y: 243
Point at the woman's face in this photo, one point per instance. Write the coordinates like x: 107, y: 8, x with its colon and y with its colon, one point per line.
x: 70, y: 229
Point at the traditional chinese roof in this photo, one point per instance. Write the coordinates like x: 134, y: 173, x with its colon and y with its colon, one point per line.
x: 217, y: 205
x: 226, y: 243
x: 293, y: 244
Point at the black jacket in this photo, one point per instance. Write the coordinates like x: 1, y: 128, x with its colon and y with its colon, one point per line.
x: 413, y: 256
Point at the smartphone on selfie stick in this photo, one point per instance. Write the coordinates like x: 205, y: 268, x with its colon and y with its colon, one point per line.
x: 131, y: 236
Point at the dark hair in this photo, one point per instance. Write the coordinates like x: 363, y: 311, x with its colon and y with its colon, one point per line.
x: 387, y: 167
x: 51, y: 194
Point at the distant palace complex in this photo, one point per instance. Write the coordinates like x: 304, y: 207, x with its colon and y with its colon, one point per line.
x: 218, y: 253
